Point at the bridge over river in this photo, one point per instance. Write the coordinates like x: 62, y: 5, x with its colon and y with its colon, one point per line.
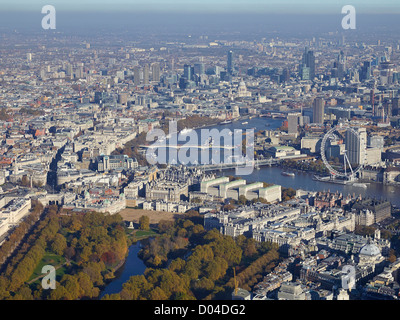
x: 233, y: 165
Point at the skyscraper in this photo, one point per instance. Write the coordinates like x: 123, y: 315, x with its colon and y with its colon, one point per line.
x: 304, y: 72
x: 230, y: 63
x: 318, y: 110
x: 69, y: 70
x: 188, y: 72
x: 396, y: 106
x: 172, y: 64
x: 146, y: 76
x: 365, y: 73
x: 386, y: 72
x: 199, y: 68
x: 293, y: 122
x: 308, y: 61
x: 356, y: 145
x: 341, y: 65
x: 155, y: 72
x: 79, y: 72
x: 99, y: 96
x: 136, y: 76
x: 285, y: 75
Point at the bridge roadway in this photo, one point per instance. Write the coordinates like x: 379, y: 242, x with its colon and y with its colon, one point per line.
x: 224, y: 166
x: 395, y: 146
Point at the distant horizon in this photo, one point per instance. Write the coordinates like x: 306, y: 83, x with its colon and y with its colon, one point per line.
x: 201, y: 13
x: 206, y: 6
x: 177, y: 12
x: 194, y: 22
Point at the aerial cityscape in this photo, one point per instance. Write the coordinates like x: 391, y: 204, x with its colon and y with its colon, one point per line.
x: 181, y: 154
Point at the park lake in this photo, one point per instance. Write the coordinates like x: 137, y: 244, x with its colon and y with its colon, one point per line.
x: 133, y: 266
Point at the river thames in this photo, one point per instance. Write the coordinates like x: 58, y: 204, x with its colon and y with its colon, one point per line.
x: 301, y: 180
x: 304, y: 180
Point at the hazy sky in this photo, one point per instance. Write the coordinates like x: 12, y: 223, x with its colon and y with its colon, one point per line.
x: 208, y: 6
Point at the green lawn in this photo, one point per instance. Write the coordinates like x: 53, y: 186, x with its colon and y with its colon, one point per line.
x: 145, y: 233
x: 49, y: 259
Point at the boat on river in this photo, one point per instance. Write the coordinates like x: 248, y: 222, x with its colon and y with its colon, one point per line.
x: 288, y: 174
x: 360, y: 185
x: 186, y: 130
x: 225, y: 122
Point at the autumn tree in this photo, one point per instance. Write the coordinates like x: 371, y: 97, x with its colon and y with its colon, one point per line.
x: 59, y: 244
x: 216, y: 268
x: 165, y: 226
x: 250, y: 248
x: 144, y: 223
x: 242, y: 200
x: 228, y: 207
x: 59, y: 293
x: 157, y: 294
